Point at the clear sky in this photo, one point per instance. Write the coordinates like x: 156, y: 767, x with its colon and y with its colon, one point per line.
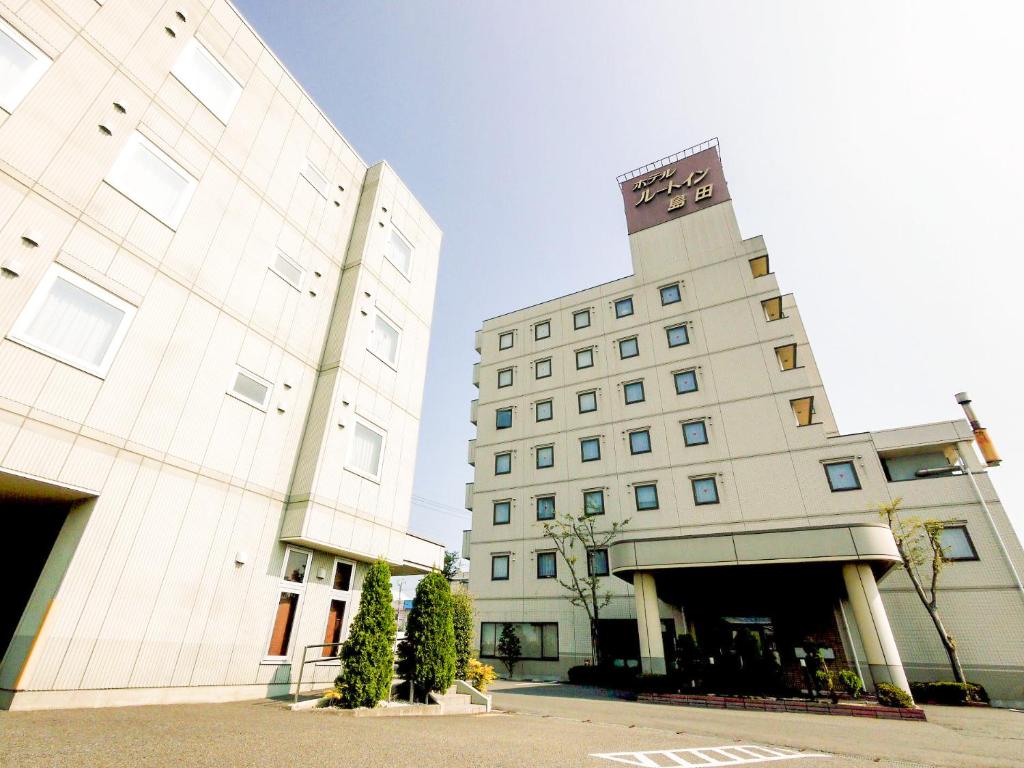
x: 875, y: 145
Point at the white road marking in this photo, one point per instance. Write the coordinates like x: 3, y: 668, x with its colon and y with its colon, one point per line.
x: 706, y: 757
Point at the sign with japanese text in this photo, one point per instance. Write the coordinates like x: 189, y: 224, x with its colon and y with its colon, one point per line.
x: 673, y: 190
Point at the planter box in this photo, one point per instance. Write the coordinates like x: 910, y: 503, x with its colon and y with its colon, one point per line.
x: 784, y: 705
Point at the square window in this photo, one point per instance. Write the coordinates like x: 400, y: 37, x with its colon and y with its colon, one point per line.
x: 590, y: 449
x: 502, y: 463
x: 504, y: 378
x: 147, y: 176
x: 581, y: 319
x: 542, y: 368
x: 73, y: 320
x: 384, y: 340
x: 597, y: 562
x: 634, y: 392
x: 677, y: 335
x: 545, y: 456
x: 670, y: 294
x: 296, y: 563
x: 199, y: 71
x: 399, y: 251
x: 21, y: 66
x: 646, y: 496
x: 546, y: 565
x: 584, y: 358
x: 503, y: 418
x: 593, y: 502
x: 542, y: 330
x: 956, y: 543
x: 695, y: 433
x: 842, y: 476
x: 705, y: 490
x: 366, y: 451
x: 640, y: 441
x: 624, y: 307
x: 587, y: 401
x: 502, y: 512
x: 499, y: 567
x: 543, y: 410
x: 686, y: 381
x: 628, y: 348
x: 505, y: 340
x: 759, y: 266
x: 545, y: 507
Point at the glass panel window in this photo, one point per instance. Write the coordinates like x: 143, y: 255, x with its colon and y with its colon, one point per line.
x: 597, y: 562
x: 686, y: 381
x: 624, y: 307
x: 705, y: 490
x: 503, y: 418
x: 384, y: 340
x: 295, y: 564
x: 315, y: 177
x: 284, y: 618
x: 759, y: 266
x: 287, y: 269
x: 695, y: 433
x: 546, y: 565
x: 367, y: 450
x: 21, y: 66
x: 538, y: 642
x: 505, y: 377
x: 842, y: 476
x: 646, y: 496
x: 342, y: 576
x: 251, y: 388
x: 502, y: 463
x: 640, y: 441
x: 146, y: 175
x: 545, y: 456
x: 499, y: 567
x: 670, y: 294
x: 549, y: 641
x: 489, y: 632
x: 584, y: 358
x: 544, y: 410
x: 677, y: 335
x: 545, y: 507
x: 590, y: 449
x: 786, y: 355
x: 73, y: 320
x: 399, y: 251
x: 634, y: 392
x: 587, y: 401
x: 505, y: 340
x: 628, y: 348
x: 207, y: 79
x: 581, y: 319
x: 906, y: 467
x: 772, y: 309
x: 803, y: 411
x: 502, y: 512
x: 542, y: 369
x: 542, y: 330
x: 335, y: 622
x: 956, y: 543
x: 593, y: 502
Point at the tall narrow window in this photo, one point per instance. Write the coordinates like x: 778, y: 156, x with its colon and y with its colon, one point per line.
x: 695, y: 433
x: 670, y: 294
x: 803, y: 410
x: 502, y: 463
x: 207, y: 79
x: 545, y: 507
x: 503, y: 418
x: 546, y: 565
x: 542, y: 330
x: 786, y: 355
x: 21, y: 66
x: 590, y: 449
x: 293, y: 584
x: 677, y: 335
x: 581, y: 319
x: 542, y: 368
x: 628, y: 348
x: 505, y: 340
x: 384, y: 340
x: 686, y: 381
x: 640, y: 441
x: 587, y: 401
x: 73, y: 320
x: 593, y: 502
x: 585, y: 358
x: 646, y: 496
x: 504, y: 378
x: 250, y: 388
x: 624, y: 307
x: 499, y: 567
x: 366, y: 451
x: 146, y: 175
x: 772, y: 309
x: 543, y: 410
x: 340, y: 586
x: 633, y: 392
x: 597, y: 562
x: 399, y: 251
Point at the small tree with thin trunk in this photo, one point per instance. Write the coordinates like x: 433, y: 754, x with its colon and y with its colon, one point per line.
x: 575, y: 538
x: 919, y: 543
x: 462, y: 621
x: 450, y: 568
x: 510, y: 649
x: 367, y: 656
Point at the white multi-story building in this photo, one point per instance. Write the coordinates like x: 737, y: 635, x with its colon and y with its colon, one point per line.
x: 214, y: 320
x: 685, y: 397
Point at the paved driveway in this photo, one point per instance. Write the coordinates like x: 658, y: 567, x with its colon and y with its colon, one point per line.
x: 545, y: 725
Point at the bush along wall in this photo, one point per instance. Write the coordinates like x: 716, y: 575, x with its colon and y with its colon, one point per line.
x: 428, y: 655
x: 949, y: 692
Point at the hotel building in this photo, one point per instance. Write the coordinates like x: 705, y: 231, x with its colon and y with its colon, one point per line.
x: 214, y: 320
x: 685, y: 398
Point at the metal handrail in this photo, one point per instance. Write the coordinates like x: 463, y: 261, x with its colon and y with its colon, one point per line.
x: 314, y: 660
x: 707, y: 144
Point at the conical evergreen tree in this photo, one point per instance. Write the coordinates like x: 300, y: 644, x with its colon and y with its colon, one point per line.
x: 462, y: 619
x: 367, y: 657
x: 430, y: 635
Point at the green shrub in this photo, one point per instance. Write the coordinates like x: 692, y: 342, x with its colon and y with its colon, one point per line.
x: 891, y: 696
x: 851, y: 683
x: 462, y: 622
x: 480, y: 675
x: 367, y: 657
x: 948, y: 692
x: 429, y: 655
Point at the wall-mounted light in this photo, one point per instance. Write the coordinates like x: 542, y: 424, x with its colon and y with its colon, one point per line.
x: 11, y: 267
x: 241, y: 557
x: 31, y: 238
x: 321, y: 574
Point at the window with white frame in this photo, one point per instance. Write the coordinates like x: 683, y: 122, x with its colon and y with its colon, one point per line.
x: 292, y: 586
x: 341, y: 585
x: 207, y: 79
x: 316, y: 177
x: 287, y: 269
x: 399, y: 251
x: 151, y: 179
x: 21, y: 66
x: 73, y: 320
x: 384, y: 340
x: 366, y: 451
x: 250, y: 388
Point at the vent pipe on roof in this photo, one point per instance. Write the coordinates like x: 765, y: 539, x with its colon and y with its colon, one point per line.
x: 985, y: 445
